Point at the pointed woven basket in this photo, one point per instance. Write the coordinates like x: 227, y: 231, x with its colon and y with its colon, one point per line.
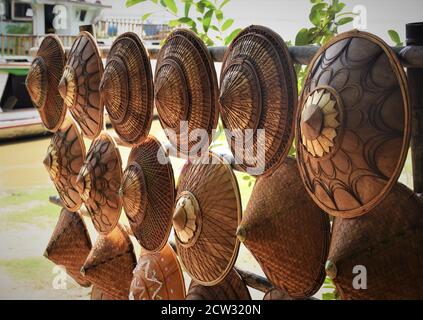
x: 110, y: 264
x: 64, y: 159
x: 42, y: 81
x: 231, y: 288
x: 70, y: 245
x: 158, y: 276
x: 148, y: 194
x: 385, y: 247
x: 127, y: 88
x: 286, y: 232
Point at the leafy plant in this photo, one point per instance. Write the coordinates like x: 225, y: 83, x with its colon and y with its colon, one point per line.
x: 205, y: 17
x: 331, y: 295
x: 395, y: 38
x: 326, y: 16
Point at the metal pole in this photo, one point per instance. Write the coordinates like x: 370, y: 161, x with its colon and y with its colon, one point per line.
x: 414, y: 34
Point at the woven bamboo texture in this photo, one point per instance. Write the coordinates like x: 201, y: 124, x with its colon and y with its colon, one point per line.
x: 99, y: 181
x: 388, y: 242
x: 148, y: 194
x: 43, y: 79
x: 79, y: 86
x: 127, y: 88
x: 70, y: 245
x: 110, y: 264
x: 258, y: 91
x: 212, y: 249
x: 353, y: 126
x: 231, y: 288
x: 186, y: 89
x: 158, y: 276
x: 286, y: 232
x: 97, y: 294
x: 64, y: 159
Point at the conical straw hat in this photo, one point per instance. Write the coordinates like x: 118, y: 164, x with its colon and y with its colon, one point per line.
x: 258, y: 91
x: 42, y: 81
x: 64, y: 159
x: 79, y: 86
x: 381, y: 250
x: 353, y: 124
x: 186, y: 89
x: 206, y: 215
x: 231, y: 288
x: 70, y: 245
x: 127, y: 88
x: 110, y: 264
x: 148, y: 194
x: 99, y: 181
x: 158, y: 276
x: 286, y: 232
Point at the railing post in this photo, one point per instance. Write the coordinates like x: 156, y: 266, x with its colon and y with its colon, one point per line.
x: 414, y: 35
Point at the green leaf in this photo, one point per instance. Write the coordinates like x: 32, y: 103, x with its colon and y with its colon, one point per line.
x: 345, y: 20
x: 188, y: 21
x: 316, y: 13
x: 146, y: 16
x: 395, y: 37
x: 174, y: 23
x: 200, y: 7
x: 232, y: 35
x: 227, y: 24
x: 302, y: 38
x: 224, y: 2
x: 219, y: 15
x: 207, y: 20
x: 170, y: 4
x: 130, y: 3
x: 215, y: 28
x: 187, y: 7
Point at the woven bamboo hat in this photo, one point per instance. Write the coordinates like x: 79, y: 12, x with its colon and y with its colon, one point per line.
x: 353, y: 125
x: 148, y: 194
x: 206, y: 215
x: 292, y: 259
x: 231, y: 288
x: 186, y: 89
x: 79, y: 86
x: 258, y: 90
x: 110, y: 264
x: 70, y: 245
x: 387, y: 242
x: 158, y: 276
x: 99, y: 181
x: 43, y: 79
x: 127, y: 88
x: 64, y: 159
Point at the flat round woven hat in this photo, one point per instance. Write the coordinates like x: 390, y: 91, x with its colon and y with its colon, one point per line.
x: 381, y: 250
x: 110, y: 264
x: 231, y: 288
x: 148, y: 194
x: 127, y: 88
x: 70, y: 245
x: 42, y: 81
x: 206, y: 215
x: 79, y: 86
x: 99, y: 181
x: 186, y: 90
x: 353, y: 125
x: 286, y: 232
x: 258, y: 98
x: 158, y: 276
x: 64, y: 159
